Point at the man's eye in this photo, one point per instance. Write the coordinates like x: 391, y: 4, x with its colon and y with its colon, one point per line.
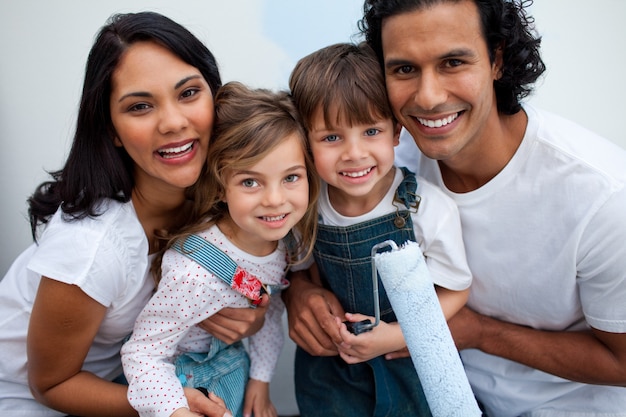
x: 454, y: 62
x: 405, y: 69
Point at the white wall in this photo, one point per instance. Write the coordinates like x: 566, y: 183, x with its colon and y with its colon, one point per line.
x: 44, y: 44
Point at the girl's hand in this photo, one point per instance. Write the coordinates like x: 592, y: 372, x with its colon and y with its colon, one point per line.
x: 382, y: 339
x: 257, y: 400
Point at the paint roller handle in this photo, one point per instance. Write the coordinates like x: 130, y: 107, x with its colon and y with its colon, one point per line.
x: 359, y: 326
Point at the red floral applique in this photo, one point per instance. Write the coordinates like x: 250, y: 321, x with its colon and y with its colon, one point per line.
x: 247, y: 284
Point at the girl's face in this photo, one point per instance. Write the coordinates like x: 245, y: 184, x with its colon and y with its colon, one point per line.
x: 268, y: 199
x: 162, y: 112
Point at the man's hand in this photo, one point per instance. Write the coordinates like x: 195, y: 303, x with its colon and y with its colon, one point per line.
x: 311, y: 312
x: 588, y: 356
x: 233, y: 324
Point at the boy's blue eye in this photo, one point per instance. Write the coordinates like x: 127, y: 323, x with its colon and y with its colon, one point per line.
x: 371, y: 132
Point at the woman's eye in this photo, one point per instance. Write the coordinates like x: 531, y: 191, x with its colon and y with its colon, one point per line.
x: 139, y: 107
x: 190, y: 92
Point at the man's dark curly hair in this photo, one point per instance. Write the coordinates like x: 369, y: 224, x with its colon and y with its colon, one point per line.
x: 505, y: 25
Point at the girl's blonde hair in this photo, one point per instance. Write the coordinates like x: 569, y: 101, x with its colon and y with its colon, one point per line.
x: 249, y: 124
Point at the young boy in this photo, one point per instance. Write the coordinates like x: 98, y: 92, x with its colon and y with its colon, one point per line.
x: 365, y: 199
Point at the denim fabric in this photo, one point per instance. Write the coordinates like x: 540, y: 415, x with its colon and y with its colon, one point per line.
x: 223, y: 370
x: 327, y: 386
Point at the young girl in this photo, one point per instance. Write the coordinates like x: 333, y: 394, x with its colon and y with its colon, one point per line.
x: 69, y: 301
x: 260, y: 184
x: 340, y: 93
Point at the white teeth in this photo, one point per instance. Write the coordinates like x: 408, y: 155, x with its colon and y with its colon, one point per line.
x: 274, y: 218
x: 171, y: 152
x: 438, y: 122
x: 357, y: 174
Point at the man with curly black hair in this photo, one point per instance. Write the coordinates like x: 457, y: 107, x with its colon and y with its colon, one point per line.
x: 542, y: 205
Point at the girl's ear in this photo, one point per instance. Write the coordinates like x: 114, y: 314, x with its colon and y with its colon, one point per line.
x: 117, y: 142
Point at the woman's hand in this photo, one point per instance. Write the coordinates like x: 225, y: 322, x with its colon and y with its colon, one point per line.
x: 233, y: 324
x: 200, y: 405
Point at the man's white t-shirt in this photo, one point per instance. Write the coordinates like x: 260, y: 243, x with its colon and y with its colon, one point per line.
x: 545, y: 241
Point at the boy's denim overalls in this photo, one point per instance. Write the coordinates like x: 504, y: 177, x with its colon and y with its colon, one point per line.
x: 327, y: 386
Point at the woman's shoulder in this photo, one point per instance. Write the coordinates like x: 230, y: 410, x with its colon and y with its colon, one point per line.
x: 116, y: 225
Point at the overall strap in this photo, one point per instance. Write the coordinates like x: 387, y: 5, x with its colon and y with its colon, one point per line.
x: 211, y: 258
x: 407, y: 190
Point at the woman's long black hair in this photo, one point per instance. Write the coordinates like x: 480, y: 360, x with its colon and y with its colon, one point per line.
x: 96, y: 169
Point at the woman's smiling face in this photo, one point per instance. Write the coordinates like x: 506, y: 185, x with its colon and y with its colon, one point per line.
x: 162, y: 111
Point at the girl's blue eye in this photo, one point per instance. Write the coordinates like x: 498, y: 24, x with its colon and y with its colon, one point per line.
x: 248, y: 183
x: 331, y: 138
x: 292, y: 178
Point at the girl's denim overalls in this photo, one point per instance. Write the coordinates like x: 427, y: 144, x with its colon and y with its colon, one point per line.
x: 327, y: 386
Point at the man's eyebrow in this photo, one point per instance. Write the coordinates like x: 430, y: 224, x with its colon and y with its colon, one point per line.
x: 454, y: 53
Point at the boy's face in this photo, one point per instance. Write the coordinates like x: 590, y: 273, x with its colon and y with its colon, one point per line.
x: 440, y: 79
x: 355, y: 161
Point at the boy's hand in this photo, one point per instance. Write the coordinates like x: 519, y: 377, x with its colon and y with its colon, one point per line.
x: 311, y: 312
x: 382, y: 339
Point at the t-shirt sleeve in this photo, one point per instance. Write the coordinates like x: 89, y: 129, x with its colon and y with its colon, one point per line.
x: 601, y: 266
x: 187, y: 294
x: 438, y: 221
x: 267, y: 343
x: 101, y: 258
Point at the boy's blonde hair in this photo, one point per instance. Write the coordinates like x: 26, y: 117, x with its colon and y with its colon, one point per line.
x: 343, y: 78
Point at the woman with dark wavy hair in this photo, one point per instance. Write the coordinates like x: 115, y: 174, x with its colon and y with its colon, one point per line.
x: 542, y: 203
x: 69, y: 301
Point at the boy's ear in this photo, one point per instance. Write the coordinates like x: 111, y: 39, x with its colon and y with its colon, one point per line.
x: 396, y: 134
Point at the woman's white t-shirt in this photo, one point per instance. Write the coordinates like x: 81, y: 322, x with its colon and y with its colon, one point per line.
x: 107, y: 257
